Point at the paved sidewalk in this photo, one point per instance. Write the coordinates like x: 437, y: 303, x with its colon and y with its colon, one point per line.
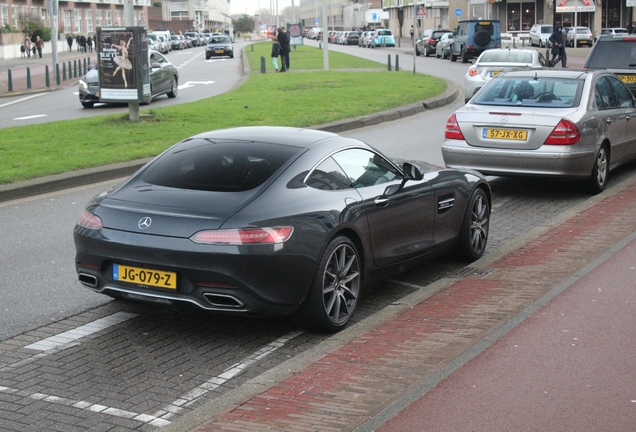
x: 381, y: 365
x: 37, y: 69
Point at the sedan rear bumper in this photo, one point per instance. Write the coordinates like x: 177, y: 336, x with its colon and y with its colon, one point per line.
x: 546, y: 161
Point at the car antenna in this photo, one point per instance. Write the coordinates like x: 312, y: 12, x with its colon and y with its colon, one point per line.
x: 535, y: 76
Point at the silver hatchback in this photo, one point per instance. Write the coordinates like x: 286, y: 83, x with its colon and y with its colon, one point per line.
x: 561, y: 124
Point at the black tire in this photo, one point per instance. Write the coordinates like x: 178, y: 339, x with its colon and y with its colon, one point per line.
x: 426, y: 52
x: 207, y: 57
x: 473, y: 235
x: 437, y: 55
x: 87, y: 104
x: 174, y: 88
x: 482, y: 38
x: 417, y: 52
x: 540, y: 43
x: 600, y: 172
x: 453, y: 56
x: 334, y: 293
x: 463, y: 55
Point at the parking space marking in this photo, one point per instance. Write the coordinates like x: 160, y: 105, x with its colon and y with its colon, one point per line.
x: 70, y: 336
x: 233, y: 371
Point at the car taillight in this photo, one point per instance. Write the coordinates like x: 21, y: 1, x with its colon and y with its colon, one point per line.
x: 244, y: 236
x: 452, y: 129
x: 565, y: 133
x: 630, y: 39
x: 431, y: 40
x: 89, y: 220
x: 473, y: 72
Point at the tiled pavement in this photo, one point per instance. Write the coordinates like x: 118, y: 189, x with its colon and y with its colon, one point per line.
x: 348, y: 386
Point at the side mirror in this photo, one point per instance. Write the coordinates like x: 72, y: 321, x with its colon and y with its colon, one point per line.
x: 412, y: 172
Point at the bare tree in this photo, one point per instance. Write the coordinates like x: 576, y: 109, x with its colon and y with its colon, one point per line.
x: 29, y: 23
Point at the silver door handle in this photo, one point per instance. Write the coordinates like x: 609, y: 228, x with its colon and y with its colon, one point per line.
x: 381, y: 202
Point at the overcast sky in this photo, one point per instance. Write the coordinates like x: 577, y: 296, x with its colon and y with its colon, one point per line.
x: 250, y: 7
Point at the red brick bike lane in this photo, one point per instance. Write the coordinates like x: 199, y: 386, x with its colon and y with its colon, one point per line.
x: 356, y: 385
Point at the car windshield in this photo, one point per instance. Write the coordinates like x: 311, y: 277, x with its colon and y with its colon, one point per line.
x: 506, y: 56
x: 219, y: 39
x: 201, y: 164
x: 614, y: 54
x: 528, y: 91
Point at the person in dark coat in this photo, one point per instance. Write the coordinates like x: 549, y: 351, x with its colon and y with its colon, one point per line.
x: 558, y: 47
x: 285, y: 41
x: 275, y: 53
x: 69, y: 41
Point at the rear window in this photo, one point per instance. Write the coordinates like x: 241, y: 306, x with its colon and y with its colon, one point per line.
x: 546, y: 29
x: 489, y: 28
x: 613, y: 54
x: 505, y: 56
x: 200, y: 164
x: 543, y: 92
x: 439, y: 34
x: 384, y: 32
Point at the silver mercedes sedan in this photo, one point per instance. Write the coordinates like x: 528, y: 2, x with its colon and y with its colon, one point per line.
x: 549, y: 123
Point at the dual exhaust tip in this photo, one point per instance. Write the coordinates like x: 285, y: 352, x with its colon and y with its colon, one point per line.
x: 216, y: 300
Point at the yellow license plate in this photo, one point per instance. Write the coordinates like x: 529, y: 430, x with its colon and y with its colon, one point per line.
x: 627, y: 78
x: 143, y: 276
x: 506, y: 134
x: 494, y: 73
x: 219, y: 51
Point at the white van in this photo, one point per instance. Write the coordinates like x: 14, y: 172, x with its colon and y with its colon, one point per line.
x: 166, y: 35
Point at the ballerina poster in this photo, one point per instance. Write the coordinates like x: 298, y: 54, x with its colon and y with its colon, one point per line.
x: 120, y: 53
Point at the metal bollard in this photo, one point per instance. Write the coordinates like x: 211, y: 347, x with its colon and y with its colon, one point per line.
x: 74, y: 68
x: 319, y: 45
x: 85, y: 70
x: 262, y: 64
x: 523, y: 43
x: 397, y: 62
x: 70, y: 70
x: 57, y: 73
x: 389, y: 62
x: 79, y: 67
x: 47, y: 80
x: 63, y: 71
x: 10, y: 80
x: 28, y: 78
x: 252, y: 47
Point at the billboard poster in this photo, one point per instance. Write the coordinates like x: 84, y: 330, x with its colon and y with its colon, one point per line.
x: 123, y: 64
x: 295, y: 33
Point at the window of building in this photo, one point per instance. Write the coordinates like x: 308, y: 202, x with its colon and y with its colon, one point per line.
x: 15, y: 11
x: 98, y: 18
x: 4, y: 15
x: 67, y: 21
x: 77, y: 21
x: 109, y: 19
x: 118, y: 20
x: 520, y: 16
x: 89, y: 20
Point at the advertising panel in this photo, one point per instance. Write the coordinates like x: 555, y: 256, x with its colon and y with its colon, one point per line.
x: 124, y: 73
x: 295, y: 33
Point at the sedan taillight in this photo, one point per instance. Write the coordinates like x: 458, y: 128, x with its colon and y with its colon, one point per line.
x: 565, y: 133
x: 89, y: 220
x: 452, y: 129
x: 244, y: 236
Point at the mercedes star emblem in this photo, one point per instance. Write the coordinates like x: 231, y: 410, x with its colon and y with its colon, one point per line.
x: 144, y: 223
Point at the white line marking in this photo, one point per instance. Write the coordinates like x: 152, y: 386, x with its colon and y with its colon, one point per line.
x: 22, y: 100
x: 193, y: 395
x: 30, y: 117
x: 80, y: 332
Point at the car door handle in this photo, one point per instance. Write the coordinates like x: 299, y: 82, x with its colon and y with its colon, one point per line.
x: 610, y: 120
x: 627, y: 117
x: 381, y: 201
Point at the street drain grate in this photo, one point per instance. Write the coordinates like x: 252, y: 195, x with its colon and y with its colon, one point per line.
x: 472, y: 272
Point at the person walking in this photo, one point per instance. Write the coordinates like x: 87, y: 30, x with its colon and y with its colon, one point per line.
x: 39, y: 45
x: 412, y: 32
x: 275, y: 53
x: 27, y: 47
x: 83, y: 43
x: 558, y: 47
x: 284, y: 40
x: 89, y: 44
x: 69, y: 41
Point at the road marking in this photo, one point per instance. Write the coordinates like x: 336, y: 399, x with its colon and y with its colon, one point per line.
x: 233, y: 371
x: 30, y: 117
x: 22, y: 100
x: 70, y: 336
x: 193, y: 83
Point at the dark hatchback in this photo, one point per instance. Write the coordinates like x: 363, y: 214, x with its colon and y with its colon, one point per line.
x: 164, y: 79
x: 219, y: 46
x: 615, y: 53
x: 352, y: 38
x: 427, y: 43
x: 272, y: 220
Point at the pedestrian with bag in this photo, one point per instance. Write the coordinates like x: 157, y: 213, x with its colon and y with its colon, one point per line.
x: 27, y: 47
x: 284, y: 40
x: 558, y: 47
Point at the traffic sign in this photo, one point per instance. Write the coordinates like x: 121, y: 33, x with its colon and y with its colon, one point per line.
x: 421, y: 12
x: 458, y: 12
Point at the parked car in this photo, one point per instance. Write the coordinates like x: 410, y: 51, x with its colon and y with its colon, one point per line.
x: 366, y: 42
x: 166, y: 47
x: 361, y: 38
x: 495, y: 61
x: 219, y: 46
x: 351, y: 38
x: 583, y: 36
x: 617, y: 54
x: 472, y: 37
x: 548, y: 123
x: 612, y: 31
x: 272, y: 220
x: 176, y: 42
x: 382, y: 38
x: 443, y: 47
x: 427, y: 43
x: 540, y: 35
x: 154, y: 43
x: 164, y: 79
x: 185, y: 42
x: 193, y: 37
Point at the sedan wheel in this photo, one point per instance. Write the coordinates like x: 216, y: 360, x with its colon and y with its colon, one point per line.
x: 174, y: 89
x: 598, y: 179
x: 473, y: 235
x: 334, y: 293
x: 87, y: 104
